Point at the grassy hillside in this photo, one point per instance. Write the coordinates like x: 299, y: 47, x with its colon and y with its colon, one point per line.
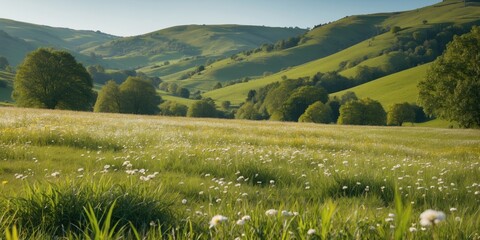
x: 171, y: 176
x: 188, y: 41
x: 317, y: 43
x: 26, y: 37
x: 368, y: 52
x: 395, y: 88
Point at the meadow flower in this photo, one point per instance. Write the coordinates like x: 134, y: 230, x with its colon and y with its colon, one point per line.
x: 453, y: 209
x: 286, y: 213
x: 184, y: 201
x: 217, y: 219
x: 246, y: 218
x: 412, y: 229
x: 55, y: 174
x: 431, y: 217
x: 241, y: 222
x: 311, y: 231
x: 271, y: 212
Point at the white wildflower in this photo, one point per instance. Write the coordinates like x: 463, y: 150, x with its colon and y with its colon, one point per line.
x: 271, y: 212
x: 430, y: 217
x: 311, y: 231
x: 217, y: 219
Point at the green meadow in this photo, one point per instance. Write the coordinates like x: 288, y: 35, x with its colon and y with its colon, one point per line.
x: 73, y: 175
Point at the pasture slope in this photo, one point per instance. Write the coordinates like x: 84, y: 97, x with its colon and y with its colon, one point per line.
x: 366, y: 52
x: 188, y: 178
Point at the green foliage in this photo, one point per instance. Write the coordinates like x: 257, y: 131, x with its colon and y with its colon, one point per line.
x: 403, y: 213
x: 248, y: 111
x: 362, y: 112
x: 172, y: 108
x: 400, y: 113
x: 109, y: 99
x: 332, y: 81
x: 182, y: 92
x: 395, y: 29
x: 299, y: 101
x: 217, y: 86
x: 451, y: 89
x: 53, y: 79
x: 318, y: 112
x: 327, y: 214
x: 204, y: 108
x: 347, y: 97
x: 75, y: 205
x: 139, y: 97
x: 226, y: 104
x: 3, y: 63
x: 277, y: 95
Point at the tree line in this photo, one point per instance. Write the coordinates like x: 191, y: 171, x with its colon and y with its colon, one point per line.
x: 53, y: 79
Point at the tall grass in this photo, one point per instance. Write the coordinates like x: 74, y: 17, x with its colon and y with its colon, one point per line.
x: 165, y: 178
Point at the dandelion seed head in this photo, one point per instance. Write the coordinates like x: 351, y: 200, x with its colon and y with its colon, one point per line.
x: 430, y: 217
x: 216, y: 220
x: 271, y: 212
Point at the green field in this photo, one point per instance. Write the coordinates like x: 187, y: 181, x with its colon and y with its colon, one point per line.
x: 166, y: 178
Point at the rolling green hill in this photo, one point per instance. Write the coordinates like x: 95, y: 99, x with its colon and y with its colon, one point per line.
x: 25, y: 37
x: 317, y: 43
x: 181, y: 42
x: 395, y: 88
x: 375, y: 51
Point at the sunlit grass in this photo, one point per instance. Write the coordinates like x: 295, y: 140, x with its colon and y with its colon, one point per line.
x: 190, y: 170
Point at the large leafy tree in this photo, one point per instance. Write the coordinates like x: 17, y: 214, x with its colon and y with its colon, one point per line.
x: 3, y: 62
x: 400, y: 113
x: 53, y: 79
x: 109, y: 98
x: 203, y: 109
x: 248, y: 111
x: 300, y: 99
x: 139, y: 97
x: 451, y: 88
x: 317, y: 113
x: 362, y: 112
x: 171, y: 108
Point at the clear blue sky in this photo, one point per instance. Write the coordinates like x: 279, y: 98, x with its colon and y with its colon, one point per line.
x: 133, y: 17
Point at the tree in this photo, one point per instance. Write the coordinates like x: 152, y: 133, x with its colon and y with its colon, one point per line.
x: 400, y: 113
x: 109, y: 98
x: 451, y: 88
x: 395, y: 29
x: 172, y: 87
x: 276, y: 97
x: 362, y: 112
x: 218, y: 85
x: 53, y: 79
x: 317, y: 113
x: 204, y: 108
x: 347, y: 97
x: 183, y: 92
x: 300, y: 99
x: 226, y: 105
x: 139, y: 97
x: 3, y: 62
x: 171, y: 108
x: 248, y: 111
